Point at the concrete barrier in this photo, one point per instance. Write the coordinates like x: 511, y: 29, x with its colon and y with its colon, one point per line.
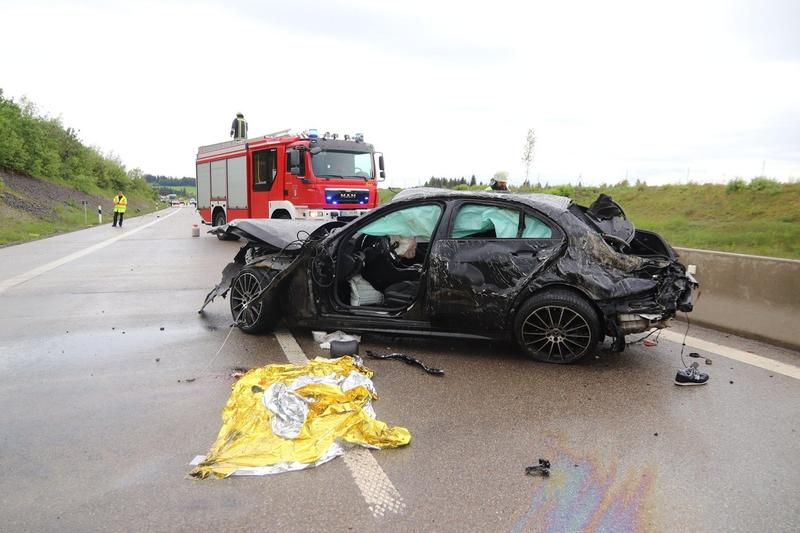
x: 749, y: 295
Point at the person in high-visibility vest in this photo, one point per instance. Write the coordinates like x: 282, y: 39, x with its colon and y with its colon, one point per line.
x: 239, y: 127
x: 497, y: 184
x: 120, y: 205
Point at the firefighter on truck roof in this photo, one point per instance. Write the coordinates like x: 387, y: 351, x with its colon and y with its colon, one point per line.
x: 239, y: 127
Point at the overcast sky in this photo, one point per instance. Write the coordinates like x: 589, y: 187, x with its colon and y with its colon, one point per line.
x: 651, y: 90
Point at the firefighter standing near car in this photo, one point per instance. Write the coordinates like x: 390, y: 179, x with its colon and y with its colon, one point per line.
x: 120, y: 206
x: 497, y: 184
x: 239, y: 127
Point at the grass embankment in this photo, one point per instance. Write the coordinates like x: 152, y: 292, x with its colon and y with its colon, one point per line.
x: 46, y: 172
x: 761, y: 218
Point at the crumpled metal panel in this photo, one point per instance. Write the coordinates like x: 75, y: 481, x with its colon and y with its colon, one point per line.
x: 278, y: 233
x: 338, y: 396
x: 476, y: 281
x: 544, y: 202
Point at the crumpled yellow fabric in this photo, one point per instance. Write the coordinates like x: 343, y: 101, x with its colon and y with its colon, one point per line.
x: 246, y: 444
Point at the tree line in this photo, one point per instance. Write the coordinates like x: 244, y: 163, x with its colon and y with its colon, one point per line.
x: 41, y: 147
x: 452, y: 183
x: 169, y: 181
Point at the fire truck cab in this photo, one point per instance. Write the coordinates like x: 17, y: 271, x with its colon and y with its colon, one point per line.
x: 280, y: 175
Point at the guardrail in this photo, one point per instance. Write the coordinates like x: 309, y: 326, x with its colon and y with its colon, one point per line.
x: 748, y: 295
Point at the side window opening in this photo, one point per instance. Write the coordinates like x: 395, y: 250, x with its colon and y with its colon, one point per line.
x: 477, y: 221
x: 418, y: 222
x: 536, y: 229
x: 265, y: 168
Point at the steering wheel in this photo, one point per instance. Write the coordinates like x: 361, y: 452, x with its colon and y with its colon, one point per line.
x: 382, y: 244
x: 360, y: 173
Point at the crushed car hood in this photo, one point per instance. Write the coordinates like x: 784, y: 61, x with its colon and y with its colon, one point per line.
x: 278, y: 233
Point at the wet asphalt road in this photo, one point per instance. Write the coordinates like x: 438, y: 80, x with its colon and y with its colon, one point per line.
x: 98, y: 425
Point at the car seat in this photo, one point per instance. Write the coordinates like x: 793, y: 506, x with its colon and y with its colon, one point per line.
x: 400, y: 294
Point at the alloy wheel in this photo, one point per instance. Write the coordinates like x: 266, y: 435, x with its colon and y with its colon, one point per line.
x: 557, y: 331
x: 245, y: 287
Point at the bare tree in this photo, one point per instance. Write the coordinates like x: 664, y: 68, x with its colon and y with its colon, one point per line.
x: 527, y: 151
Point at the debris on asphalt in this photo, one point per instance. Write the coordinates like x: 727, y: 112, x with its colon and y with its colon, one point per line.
x: 691, y: 376
x: 324, y: 339
x: 650, y: 343
x: 161, y: 328
x: 286, y: 417
x: 158, y: 359
x: 188, y: 380
x: 238, y: 372
x: 340, y: 348
x: 408, y: 360
x: 542, y: 469
x: 694, y: 354
x: 708, y: 361
x: 731, y: 382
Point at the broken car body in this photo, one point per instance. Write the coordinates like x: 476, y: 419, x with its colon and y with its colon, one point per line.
x: 554, y: 276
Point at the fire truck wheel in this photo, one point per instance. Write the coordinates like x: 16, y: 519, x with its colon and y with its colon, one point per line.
x: 251, y: 312
x: 219, y: 220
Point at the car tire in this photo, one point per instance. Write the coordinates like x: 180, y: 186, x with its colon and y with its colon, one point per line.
x: 219, y: 220
x: 557, y: 326
x: 261, y: 316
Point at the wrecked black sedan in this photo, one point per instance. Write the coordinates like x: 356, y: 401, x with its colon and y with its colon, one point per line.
x: 553, y: 276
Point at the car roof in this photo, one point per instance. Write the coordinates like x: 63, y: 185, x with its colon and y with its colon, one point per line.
x: 545, y: 202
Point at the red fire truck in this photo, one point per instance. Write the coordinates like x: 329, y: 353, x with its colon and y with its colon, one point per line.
x: 281, y: 175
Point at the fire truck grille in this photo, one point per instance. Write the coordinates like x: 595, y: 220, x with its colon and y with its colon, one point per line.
x: 346, y: 196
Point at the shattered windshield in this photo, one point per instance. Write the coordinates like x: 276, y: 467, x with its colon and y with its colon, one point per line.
x: 335, y: 164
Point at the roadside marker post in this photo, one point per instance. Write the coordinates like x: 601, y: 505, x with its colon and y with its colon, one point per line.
x: 99, y: 214
x: 85, y: 213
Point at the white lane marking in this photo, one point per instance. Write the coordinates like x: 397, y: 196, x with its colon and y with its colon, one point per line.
x: 38, y: 271
x: 294, y: 353
x: 737, y: 355
x: 376, y: 488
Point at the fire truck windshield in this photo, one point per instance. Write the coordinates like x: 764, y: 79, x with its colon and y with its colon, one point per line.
x: 336, y: 164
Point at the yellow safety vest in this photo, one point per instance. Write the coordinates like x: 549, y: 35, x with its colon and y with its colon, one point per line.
x: 120, y: 204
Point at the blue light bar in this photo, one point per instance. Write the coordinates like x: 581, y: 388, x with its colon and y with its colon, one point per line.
x: 312, y: 134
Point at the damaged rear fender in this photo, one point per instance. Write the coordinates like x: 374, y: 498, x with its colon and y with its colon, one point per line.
x: 538, y: 290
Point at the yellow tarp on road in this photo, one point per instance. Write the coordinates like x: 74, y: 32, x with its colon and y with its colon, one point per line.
x: 286, y: 417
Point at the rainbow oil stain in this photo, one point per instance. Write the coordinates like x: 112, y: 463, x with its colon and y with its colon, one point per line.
x: 587, y: 497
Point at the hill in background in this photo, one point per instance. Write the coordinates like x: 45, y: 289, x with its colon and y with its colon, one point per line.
x: 46, y: 173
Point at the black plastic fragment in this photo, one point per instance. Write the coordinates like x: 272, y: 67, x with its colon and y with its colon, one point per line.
x: 341, y: 348
x: 408, y: 360
x: 542, y: 469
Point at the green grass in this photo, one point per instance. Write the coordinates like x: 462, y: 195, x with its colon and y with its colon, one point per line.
x: 18, y: 226
x: 762, y: 218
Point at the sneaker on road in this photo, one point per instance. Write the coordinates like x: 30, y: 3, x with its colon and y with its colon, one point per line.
x: 690, y: 376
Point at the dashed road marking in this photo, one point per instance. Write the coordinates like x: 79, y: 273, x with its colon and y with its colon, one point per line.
x: 737, y: 355
x: 375, y: 486
x: 294, y: 353
x: 38, y: 271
